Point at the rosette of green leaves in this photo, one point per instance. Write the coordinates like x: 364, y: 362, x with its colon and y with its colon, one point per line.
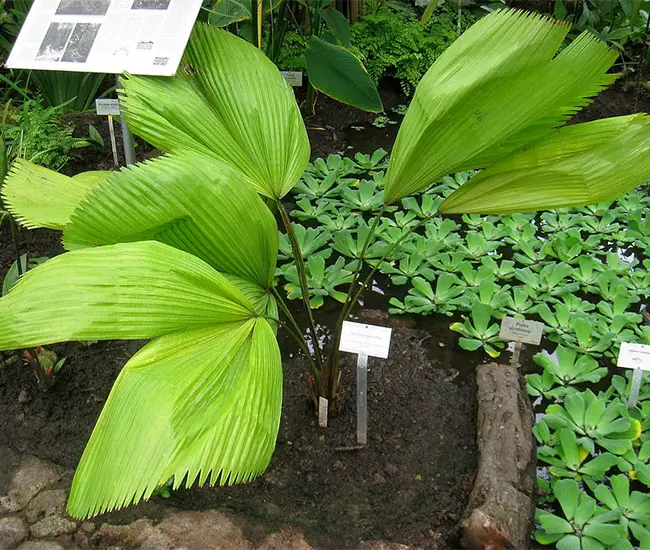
x: 596, y: 421
x: 478, y: 332
x: 566, y: 457
x: 633, y: 507
x: 585, y: 525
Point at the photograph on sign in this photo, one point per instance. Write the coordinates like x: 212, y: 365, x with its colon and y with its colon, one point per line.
x: 150, y: 4
x: 83, y: 7
x: 144, y: 37
x: 81, y: 42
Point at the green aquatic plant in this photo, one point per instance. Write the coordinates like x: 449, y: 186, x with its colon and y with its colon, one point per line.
x: 633, y: 507
x: 478, y: 332
x: 423, y: 299
x: 567, y: 457
x: 595, y: 421
x: 322, y: 281
x: 584, y: 526
x: 568, y: 368
x: 520, y: 302
x: 310, y: 240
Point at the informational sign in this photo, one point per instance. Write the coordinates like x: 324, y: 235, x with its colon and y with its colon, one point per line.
x: 520, y: 330
x: 105, y: 36
x: 294, y: 78
x: 365, y: 339
x: 105, y: 107
x: 634, y: 356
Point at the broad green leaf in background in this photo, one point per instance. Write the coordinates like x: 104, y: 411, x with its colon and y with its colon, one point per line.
x: 189, y: 202
x: 496, y: 89
x: 224, y: 12
x: 577, y: 165
x: 339, y: 74
x: 338, y: 24
x: 228, y: 101
x: 40, y: 197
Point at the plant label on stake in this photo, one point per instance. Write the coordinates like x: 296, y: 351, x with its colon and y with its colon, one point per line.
x: 294, y: 78
x: 364, y: 340
x: 637, y: 357
x: 521, y: 332
x: 109, y: 107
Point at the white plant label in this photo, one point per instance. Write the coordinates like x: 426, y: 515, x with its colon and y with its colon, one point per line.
x: 294, y: 78
x: 365, y: 339
x: 520, y: 330
x: 634, y: 356
x: 323, y: 406
x: 105, y: 36
x: 107, y: 107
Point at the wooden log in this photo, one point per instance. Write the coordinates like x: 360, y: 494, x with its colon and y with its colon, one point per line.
x: 501, y: 507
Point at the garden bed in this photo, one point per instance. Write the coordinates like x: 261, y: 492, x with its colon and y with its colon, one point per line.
x: 410, y: 485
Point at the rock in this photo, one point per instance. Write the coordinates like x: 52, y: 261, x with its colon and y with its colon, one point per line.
x: 9, y: 505
x: 12, y: 532
x: 156, y: 541
x: 87, y: 527
x: 32, y: 476
x: 40, y: 545
x: 81, y: 541
x: 209, y: 530
x: 285, y: 539
x: 53, y: 526
x: 124, y: 536
x: 378, y: 478
x: 46, y: 503
x: 24, y: 397
x: 382, y: 545
x: 391, y: 469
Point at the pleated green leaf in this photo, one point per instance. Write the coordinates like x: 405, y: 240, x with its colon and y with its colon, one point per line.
x: 495, y: 90
x: 124, y: 291
x: 189, y: 202
x: 40, y: 197
x: 580, y: 164
x: 228, y: 101
x: 201, y: 405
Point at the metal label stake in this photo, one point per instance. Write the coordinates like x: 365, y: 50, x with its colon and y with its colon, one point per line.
x: 514, y: 362
x: 364, y: 340
x: 637, y: 376
x: 362, y: 399
x: 111, y: 130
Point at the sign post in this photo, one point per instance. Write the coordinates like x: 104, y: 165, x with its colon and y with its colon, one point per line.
x: 521, y: 332
x: 364, y: 340
x: 109, y: 108
x: 145, y: 37
x: 637, y: 357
